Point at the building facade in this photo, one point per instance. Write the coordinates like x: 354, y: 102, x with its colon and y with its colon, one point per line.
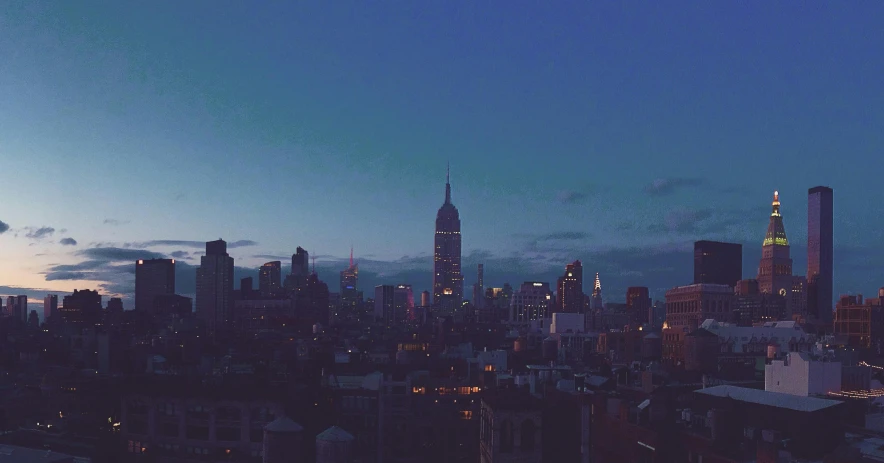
x: 638, y: 305
x: 820, y: 250
x: 270, y: 278
x: 718, y: 263
x: 775, y: 269
x: 153, y: 277
x: 569, y: 289
x: 533, y: 301
x: 447, y: 276
x: 50, y: 306
x: 214, y: 286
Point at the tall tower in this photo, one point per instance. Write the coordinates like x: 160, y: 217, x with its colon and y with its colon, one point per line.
x: 447, y: 277
x: 214, y: 286
x: 820, y: 224
x: 775, y: 269
x: 597, y: 303
x: 153, y: 277
x: 350, y: 296
x: 569, y: 289
x: 270, y: 278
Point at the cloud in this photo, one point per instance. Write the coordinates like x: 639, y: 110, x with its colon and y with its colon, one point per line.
x: 271, y: 257
x: 39, y: 233
x: 111, y: 254
x: 4, y: 227
x: 187, y: 244
x: 554, y: 241
x: 55, y: 276
x: 115, y: 222
x: 180, y: 254
x: 668, y: 186
x: 68, y: 242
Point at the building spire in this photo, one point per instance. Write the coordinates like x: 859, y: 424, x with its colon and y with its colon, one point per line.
x: 775, y: 204
x: 448, y: 184
x: 776, y: 232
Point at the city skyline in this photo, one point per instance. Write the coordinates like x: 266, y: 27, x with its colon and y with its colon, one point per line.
x: 160, y: 144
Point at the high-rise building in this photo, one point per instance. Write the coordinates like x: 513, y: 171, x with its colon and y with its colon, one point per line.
x: 447, y: 277
x: 820, y: 250
x: 479, y: 288
x: 718, y: 263
x: 246, y: 289
x: 533, y: 301
x: 50, y: 306
x: 10, y: 306
x: 775, y: 270
x: 270, y: 278
x: 214, y: 286
x: 21, y: 308
x: 638, y: 305
x: 403, y: 301
x: 425, y: 298
x: 300, y: 270
x: 310, y: 301
x: 385, y: 304
x: 83, y: 306
x: 153, y: 277
x: 596, y: 303
x: 569, y: 289
x: 351, y: 298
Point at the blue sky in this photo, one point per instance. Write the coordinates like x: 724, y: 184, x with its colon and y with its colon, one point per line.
x: 613, y: 132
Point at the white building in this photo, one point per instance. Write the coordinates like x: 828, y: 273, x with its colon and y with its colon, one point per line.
x: 801, y: 374
x: 786, y: 336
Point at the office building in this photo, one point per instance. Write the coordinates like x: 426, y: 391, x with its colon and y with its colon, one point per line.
x: 533, y: 301
x: 688, y: 306
x: 853, y: 319
x: 270, y: 279
x: 83, y: 306
x: 447, y: 277
x: 153, y: 277
x: 351, y: 298
x: 20, y: 308
x: 718, y: 263
x: 385, y: 304
x: 569, y: 289
x: 596, y: 302
x: 214, y: 286
x: 638, y: 305
x: 310, y: 301
x: 751, y: 306
x: 50, y: 306
x: 479, y: 289
x: 403, y: 302
x: 820, y: 250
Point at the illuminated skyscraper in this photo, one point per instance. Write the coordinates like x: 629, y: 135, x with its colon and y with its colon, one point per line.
x: 596, y: 302
x: 569, y: 289
x: 350, y: 295
x: 775, y: 270
x: 820, y: 224
x: 269, y: 278
x: 153, y: 277
x: 447, y: 277
x: 214, y: 286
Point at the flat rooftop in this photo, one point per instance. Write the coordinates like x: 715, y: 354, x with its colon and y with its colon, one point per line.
x: 771, y: 399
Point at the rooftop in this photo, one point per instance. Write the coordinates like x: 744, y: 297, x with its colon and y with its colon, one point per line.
x: 335, y: 434
x: 771, y: 399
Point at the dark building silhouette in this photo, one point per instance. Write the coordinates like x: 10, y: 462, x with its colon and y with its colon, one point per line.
x: 718, y: 263
x: 173, y: 304
x: 385, y: 304
x: 214, y: 286
x: 115, y: 304
x: 479, y: 288
x: 820, y: 250
x: 153, y: 277
x: 300, y: 266
x: 83, y: 306
x: 270, y: 278
x: 310, y: 302
x: 50, y: 306
x: 246, y: 288
x: 19, y: 308
x: 638, y: 305
x: 569, y: 289
x: 447, y: 277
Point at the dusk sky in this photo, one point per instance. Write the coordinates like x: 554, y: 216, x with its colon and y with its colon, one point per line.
x: 612, y: 132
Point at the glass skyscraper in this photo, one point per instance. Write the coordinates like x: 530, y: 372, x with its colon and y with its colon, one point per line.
x: 820, y: 224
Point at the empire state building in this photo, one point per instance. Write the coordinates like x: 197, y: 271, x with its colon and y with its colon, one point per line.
x: 447, y: 277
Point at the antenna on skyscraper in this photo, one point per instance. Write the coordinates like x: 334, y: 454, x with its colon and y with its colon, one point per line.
x: 351, y: 256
